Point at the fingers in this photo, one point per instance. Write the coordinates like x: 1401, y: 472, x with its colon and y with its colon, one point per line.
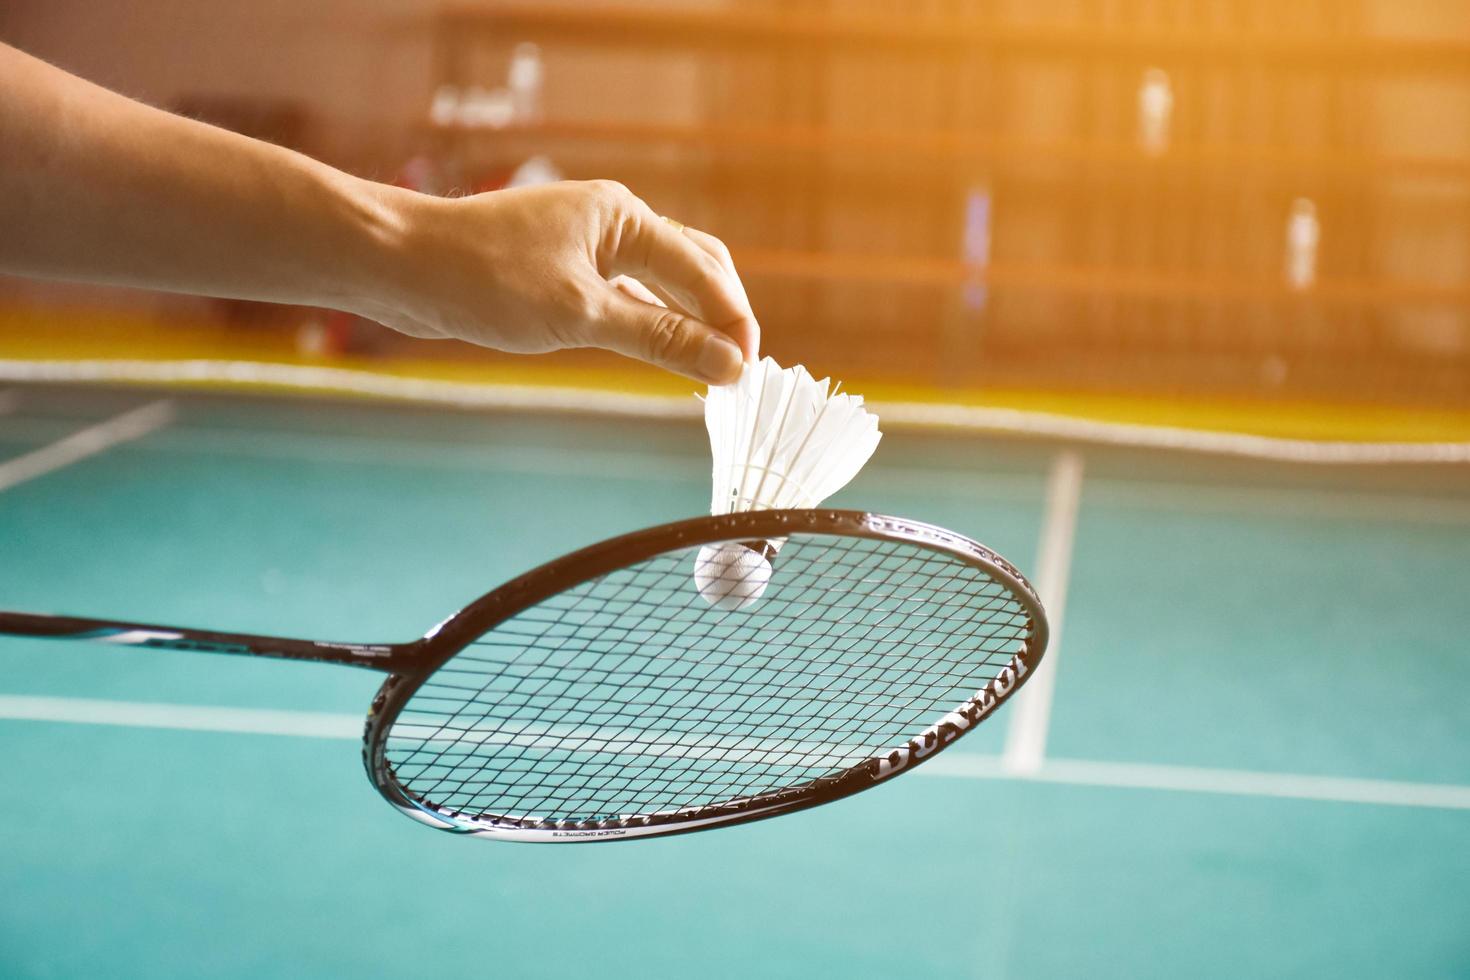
x: 716, y: 249
x: 677, y: 266
x: 640, y: 292
x: 666, y: 338
x: 637, y: 290
x: 658, y: 293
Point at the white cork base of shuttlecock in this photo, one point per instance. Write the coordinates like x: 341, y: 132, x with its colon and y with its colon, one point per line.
x: 730, y: 576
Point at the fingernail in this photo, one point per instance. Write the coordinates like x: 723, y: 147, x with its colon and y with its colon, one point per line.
x: 719, y: 359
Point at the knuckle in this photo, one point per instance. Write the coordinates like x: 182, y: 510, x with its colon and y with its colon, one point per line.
x: 665, y: 338
x: 719, y: 248
x: 609, y: 190
x: 710, y: 276
x: 583, y: 305
x: 574, y: 309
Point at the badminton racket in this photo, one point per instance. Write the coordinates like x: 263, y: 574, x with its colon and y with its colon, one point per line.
x: 599, y: 697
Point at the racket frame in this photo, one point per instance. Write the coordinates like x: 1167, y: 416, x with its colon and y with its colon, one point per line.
x: 574, y: 569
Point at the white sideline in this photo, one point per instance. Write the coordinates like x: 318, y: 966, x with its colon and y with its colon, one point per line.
x: 1191, y: 779
x: 1025, y: 747
x: 952, y: 764
x: 185, y: 717
x: 1004, y: 421
x: 87, y: 442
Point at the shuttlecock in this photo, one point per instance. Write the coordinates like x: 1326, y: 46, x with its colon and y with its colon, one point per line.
x: 731, y: 576
x: 779, y: 438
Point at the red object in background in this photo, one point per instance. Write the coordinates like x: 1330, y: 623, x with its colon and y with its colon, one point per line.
x: 493, y: 180
x: 339, y: 330
x: 425, y: 174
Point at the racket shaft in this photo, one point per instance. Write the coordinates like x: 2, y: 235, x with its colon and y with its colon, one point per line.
x: 376, y: 656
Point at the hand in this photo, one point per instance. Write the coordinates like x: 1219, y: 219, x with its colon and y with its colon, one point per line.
x: 572, y: 264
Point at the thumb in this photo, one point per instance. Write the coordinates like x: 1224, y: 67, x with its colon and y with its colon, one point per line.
x: 667, y: 338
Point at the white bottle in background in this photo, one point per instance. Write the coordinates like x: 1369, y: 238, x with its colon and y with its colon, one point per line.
x: 482, y: 108
x: 444, y: 109
x: 975, y: 246
x: 524, y: 80
x: 536, y: 170
x: 1302, y: 235
x: 1155, y: 106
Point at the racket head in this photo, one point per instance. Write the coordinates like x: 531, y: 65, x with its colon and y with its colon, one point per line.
x: 599, y: 697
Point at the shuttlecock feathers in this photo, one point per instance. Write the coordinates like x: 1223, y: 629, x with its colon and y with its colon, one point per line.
x: 780, y: 438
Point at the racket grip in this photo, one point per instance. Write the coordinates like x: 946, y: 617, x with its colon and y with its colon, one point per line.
x: 384, y: 657
x: 60, y: 627
x: 81, y: 628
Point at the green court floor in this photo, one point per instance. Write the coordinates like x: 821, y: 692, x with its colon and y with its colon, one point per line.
x: 1257, y: 754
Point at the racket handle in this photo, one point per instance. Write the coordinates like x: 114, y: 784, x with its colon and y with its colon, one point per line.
x: 125, y: 634
x: 30, y: 624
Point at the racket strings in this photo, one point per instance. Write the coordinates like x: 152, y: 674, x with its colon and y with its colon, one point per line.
x: 605, y: 741
x: 629, y: 696
x: 624, y: 739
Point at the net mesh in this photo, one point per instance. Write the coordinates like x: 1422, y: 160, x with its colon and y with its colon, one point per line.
x: 629, y: 695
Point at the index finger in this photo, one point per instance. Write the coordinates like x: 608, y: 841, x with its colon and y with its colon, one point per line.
x: 657, y: 254
x: 716, y: 248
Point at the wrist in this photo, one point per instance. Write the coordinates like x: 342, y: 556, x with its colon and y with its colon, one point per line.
x: 378, y: 263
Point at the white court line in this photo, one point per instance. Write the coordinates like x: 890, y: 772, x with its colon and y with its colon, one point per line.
x: 1011, y: 421
x: 1315, y: 503
x: 380, y: 451
x: 88, y: 442
x: 1025, y: 746
x: 1071, y: 772
x: 963, y: 418
x: 186, y: 717
x: 1191, y: 779
x: 1154, y: 495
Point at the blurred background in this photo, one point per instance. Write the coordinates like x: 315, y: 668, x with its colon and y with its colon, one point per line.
x: 1012, y: 224
x: 1196, y: 198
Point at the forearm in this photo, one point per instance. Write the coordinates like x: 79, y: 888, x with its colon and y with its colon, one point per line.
x: 97, y: 187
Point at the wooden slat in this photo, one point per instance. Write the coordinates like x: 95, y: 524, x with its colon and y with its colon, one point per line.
x: 919, y: 35
x: 969, y: 148
x: 920, y: 271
